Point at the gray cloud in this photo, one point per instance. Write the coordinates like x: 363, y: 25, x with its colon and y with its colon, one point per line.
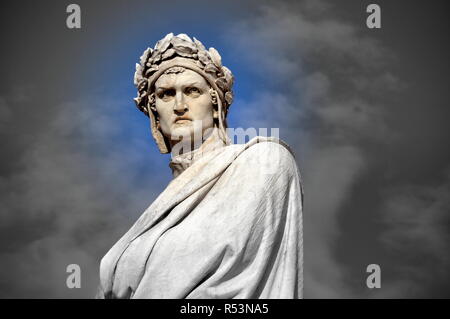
x: 416, y: 219
x: 333, y: 99
x: 72, y: 199
x: 320, y: 64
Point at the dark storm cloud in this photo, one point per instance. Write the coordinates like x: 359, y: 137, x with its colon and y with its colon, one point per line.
x: 58, y: 208
x: 334, y: 99
x: 73, y: 176
x: 321, y: 65
x: 416, y: 219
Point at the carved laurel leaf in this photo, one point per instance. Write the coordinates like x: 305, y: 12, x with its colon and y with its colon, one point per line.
x: 145, y: 55
x: 229, y: 97
x: 203, y: 57
x: 222, y: 84
x: 142, y: 85
x: 199, y: 64
x: 215, y: 57
x: 156, y: 57
x: 184, y: 36
x: 136, y: 79
x: 169, y: 53
x: 138, y: 74
x: 186, y: 52
x: 154, y: 68
x: 183, y: 46
x: 228, y: 76
x: 163, y: 44
x: 211, y: 68
x: 199, y: 44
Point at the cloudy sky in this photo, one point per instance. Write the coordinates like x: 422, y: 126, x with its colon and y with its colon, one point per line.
x: 365, y: 111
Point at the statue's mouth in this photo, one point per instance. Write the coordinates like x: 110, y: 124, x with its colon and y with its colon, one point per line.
x: 182, y: 120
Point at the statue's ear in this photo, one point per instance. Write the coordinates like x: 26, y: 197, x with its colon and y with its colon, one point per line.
x: 151, y: 102
x: 214, y: 98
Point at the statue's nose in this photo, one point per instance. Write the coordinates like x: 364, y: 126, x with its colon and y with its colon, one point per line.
x: 180, y: 103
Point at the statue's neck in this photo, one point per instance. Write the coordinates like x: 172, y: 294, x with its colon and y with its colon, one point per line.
x: 183, y: 157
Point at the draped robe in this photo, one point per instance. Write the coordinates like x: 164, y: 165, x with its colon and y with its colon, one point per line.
x: 228, y: 226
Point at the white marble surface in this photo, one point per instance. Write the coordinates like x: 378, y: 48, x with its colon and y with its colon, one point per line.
x: 228, y: 226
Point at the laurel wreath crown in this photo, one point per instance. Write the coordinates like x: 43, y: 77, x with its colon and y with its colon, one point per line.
x: 181, y: 45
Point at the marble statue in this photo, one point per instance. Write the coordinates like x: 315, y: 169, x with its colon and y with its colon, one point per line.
x: 229, y: 224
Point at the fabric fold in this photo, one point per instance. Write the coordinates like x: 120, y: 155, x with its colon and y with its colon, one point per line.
x: 228, y: 226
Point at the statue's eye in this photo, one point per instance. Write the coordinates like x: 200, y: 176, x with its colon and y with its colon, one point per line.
x: 193, y: 91
x: 166, y: 93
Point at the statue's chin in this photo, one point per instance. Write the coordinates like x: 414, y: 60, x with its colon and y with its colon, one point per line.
x: 186, y: 133
x: 182, y: 131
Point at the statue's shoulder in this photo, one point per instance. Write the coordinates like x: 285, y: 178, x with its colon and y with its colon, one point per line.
x: 269, y: 145
x: 263, y: 151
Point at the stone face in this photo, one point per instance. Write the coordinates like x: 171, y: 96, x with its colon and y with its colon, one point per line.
x: 181, y: 50
x: 229, y: 225
x: 183, y: 105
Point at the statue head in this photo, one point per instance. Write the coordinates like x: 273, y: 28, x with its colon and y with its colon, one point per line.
x: 180, y: 83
